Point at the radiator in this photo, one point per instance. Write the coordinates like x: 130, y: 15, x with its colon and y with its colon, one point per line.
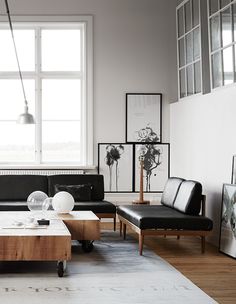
x: 40, y: 171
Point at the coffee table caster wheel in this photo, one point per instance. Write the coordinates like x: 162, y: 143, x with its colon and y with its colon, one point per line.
x: 87, y: 246
x: 60, y: 269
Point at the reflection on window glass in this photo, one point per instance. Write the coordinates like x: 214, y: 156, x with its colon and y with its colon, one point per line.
x: 189, y: 80
x: 197, y: 77
x: 226, y: 27
x: 189, y: 48
x: 214, y: 7
x: 182, y: 83
x: 196, y: 44
x: 181, y: 53
x: 216, y: 70
x: 228, y: 65
x: 223, y: 3
x: 180, y: 21
x: 195, y: 12
x: 188, y: 24
x: 215, y: 32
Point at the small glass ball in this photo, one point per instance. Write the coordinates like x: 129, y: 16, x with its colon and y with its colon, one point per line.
x: 35, y: 200
x: 63, y: 202
x: 47, y: 204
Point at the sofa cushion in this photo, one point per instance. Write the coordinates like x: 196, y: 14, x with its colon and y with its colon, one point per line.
x: 96, y: 180
x: 170, y: 191
x: 13, y: 206
x: 19, y: 187
x: 188, y: 199
x: 162, y: 217
x: 96, y: 207
x: 79, y: 192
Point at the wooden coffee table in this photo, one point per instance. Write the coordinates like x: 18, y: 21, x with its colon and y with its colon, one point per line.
x: 84, y: 226
x: 46, y: 243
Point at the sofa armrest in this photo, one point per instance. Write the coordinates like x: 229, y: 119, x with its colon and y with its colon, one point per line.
x: 203, y: 205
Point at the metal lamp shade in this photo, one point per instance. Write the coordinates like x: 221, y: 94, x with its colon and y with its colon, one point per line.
x: 25, y: 118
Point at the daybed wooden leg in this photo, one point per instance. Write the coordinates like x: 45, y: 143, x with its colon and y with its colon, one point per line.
x: 203, y: 241
x: 115, y: 223
x: 124, y: 231
x: 141, y: 239
x: 178, y: 237
x: 121, y: 227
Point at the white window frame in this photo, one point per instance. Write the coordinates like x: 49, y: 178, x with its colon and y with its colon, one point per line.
x: 87, y: 88
x: 222, y: 48
x: 184, y: 67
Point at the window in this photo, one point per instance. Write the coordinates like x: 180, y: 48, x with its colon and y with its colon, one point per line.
x: 56, y: 63
x: 189, y: 48
x: 222, y: 25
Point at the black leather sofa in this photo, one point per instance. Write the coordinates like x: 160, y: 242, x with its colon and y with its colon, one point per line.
x: 179, y: 213
x: 14, y: 190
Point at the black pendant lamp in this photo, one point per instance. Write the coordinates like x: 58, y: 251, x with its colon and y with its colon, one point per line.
x: 25, y: 117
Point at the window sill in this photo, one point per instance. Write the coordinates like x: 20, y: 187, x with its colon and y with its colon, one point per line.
x: 46, y: 167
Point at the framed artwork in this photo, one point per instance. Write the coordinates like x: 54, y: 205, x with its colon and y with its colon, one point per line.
x: 156, y: 169
x: 228, y: 221
x: 233, y: 177
x: 115, y: 163
x: 143, y: 117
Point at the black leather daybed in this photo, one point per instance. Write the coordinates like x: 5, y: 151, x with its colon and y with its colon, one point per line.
x: 179, y: 213
x: 14, y: 190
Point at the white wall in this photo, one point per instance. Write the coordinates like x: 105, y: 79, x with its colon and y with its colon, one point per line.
x: 134, y: 51
x: 202, y: 136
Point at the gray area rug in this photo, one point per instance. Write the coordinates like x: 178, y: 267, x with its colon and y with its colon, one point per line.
x: 113, y: 273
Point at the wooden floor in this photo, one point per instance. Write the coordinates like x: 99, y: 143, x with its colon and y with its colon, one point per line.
x: 213, y: 272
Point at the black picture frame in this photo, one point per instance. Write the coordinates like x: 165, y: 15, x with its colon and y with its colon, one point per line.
x: 155, y: 175
x: 116, y: 166
x: 227, y: 241
x: 233, y: 175
x: 143, y: 117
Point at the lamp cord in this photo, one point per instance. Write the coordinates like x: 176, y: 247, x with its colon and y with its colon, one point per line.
x: 17, y: 59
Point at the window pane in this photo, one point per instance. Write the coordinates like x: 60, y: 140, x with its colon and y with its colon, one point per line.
x: 181, y: 53
x: 25, y: 44
x: 16, y: 142
x: 215, y: 32
x: 224, y: 2
x: 188, y: 22
x: 11, y: 96
x: 61, y: 141
x: 195, y: 12
x: 190, y: 80
x: 189, y: 48
x: 214, y: 7
x: 226, y: 27
x: 182, y: 83
x: 61, y: 99
x: 228, y: 65
x: 234, y: 20
x: 180, y: 21
x: 196, y: 44
x: 61, y: 50
x: 216, y: 70
x: 197, y: 78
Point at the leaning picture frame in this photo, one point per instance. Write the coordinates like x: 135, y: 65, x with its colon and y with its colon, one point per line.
x: 115, y: 163
x: 233, y: 175
x: 156, y: 166
x: 143, y: 117
x: 228, y: 221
